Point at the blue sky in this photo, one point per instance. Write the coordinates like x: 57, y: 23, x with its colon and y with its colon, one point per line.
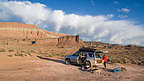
x: 99, y: 7
x: 110, y: 21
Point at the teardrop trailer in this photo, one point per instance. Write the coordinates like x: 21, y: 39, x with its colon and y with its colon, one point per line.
x: 86, y: 57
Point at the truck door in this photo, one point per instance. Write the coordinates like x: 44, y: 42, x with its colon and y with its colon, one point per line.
x: 74, y: 57
x: 92, y: 57
x: 99, y: 60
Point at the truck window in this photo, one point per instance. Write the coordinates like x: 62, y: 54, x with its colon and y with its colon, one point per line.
x: 76, y: 54
x: 90, y: 54
x: 98, y: 55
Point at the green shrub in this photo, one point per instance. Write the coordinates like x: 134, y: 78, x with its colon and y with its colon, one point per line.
x: 10, y: 50
x: 23, y: 51
x: 10, y: 55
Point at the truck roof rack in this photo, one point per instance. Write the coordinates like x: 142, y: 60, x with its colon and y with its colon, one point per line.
x: 88, y: 49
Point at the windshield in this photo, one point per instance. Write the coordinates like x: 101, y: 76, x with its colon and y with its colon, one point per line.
x: 91, y: 54
x: 76, y: 53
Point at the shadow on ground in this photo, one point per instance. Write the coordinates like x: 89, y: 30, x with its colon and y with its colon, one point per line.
x: 54, y: 60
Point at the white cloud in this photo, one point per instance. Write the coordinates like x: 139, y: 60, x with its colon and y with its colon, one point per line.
x: 110, y: 15
x: 125, y: 10
x: 116, y: 2
x: 122, y: 16
x: 97, y: 28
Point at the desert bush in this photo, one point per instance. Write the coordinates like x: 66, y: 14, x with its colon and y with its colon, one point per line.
x: 10, y: 50
x: 23, y: 51
x: 2, y: 50
x: 125, y: 60
x: 32, y: 51
x: 19, y: 54
x: 43, y: 53
x: 23, y: 39
x: 142, y: 62
x: 133, y: 61
x: 108, y: 60
x: 62, y: 55
x: 10, y: 55
x: 123, y: 69
x: 29, y: 54
x: 23, y: 54
x: 50, y: 56
x: 115, y: 61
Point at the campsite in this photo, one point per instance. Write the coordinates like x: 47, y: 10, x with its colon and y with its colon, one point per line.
x: 44, y: 60
x: 71, y: 40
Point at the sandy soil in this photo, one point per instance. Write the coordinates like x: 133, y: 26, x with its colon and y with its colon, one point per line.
x: 34, y: 68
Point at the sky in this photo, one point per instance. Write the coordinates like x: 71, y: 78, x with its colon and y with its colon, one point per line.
x: 109, y: 21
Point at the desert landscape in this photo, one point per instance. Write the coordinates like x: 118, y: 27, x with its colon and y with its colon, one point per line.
x: 28, y: 53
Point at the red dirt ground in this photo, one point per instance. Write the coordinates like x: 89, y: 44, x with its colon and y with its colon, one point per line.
x: 34, y: 68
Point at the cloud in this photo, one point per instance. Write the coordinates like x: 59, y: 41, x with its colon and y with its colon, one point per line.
x: 116, y: 2
x: 124, y: 10
x: 96, y: 28
x: 122, y: 16
x: 110, y: 15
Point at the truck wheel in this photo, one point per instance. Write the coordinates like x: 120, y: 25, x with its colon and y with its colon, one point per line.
x: 79, y: 61
x: 67, y: 61
x: 87, y: 64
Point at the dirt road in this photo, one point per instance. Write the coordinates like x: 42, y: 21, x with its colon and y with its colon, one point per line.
x: 34, y: 68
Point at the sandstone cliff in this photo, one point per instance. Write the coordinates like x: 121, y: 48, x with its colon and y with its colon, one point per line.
x: 24, y: 31
x: 31, y: 34
x: 70, y: 41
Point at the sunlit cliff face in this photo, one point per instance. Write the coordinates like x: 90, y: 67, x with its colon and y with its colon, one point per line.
x: 96, y: 28
x: 23, y: 31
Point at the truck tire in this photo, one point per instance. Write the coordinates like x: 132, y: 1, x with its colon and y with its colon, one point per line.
x: 87, y: 64
x: 67, y: 61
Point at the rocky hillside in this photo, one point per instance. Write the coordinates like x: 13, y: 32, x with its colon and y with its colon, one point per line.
x: 21, y: 39
x: 120, y: 54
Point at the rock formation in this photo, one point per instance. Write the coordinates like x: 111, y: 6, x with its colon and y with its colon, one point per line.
x: 23, y: 32
x: 70, y: 41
